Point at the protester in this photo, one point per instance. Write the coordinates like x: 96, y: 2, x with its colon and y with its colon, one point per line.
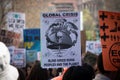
x: 117, y: 75
x: 7, y: 71
x: 60, y: 76
x: 37, y: 72
x: 28, y: 68
x: 102, y: 74
x: 52, y: 72
x: 85, y: 72
x: 91, y: 59
x: 21, y: 74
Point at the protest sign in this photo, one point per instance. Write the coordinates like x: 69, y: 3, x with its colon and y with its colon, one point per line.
x: 9, y: 38
x: 32, y: 43
x: 94, y: 47
x: 19, y: 57
x: 11, y: 50
x: 16, y: 22
x: 31, y: 55
x: 109, y: 23
x: 60, y: 39
x: 32, y: 39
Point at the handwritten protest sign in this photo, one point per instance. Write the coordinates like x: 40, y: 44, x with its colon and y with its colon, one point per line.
x: 60, y: 39
x: 110, y: 37
x: 16, y: 22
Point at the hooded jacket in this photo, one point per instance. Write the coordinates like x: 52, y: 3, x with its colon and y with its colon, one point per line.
x: 7, y: 71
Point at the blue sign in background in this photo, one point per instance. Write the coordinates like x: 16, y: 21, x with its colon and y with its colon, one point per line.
x: 31, y: 55
x: 32, y: 39
x: 32, y: 43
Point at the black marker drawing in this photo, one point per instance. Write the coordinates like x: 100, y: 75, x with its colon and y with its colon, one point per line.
x: 103, y: 16
x: 118, y: 17
x: 104, y: 27
x: 118, y: 38
x: 112, y: 17
x: 116, y: 28
x: 104, y: 46
x: 104, y: 37
x: 61, y: 35
x: 114, y: 55
x: 115, y: 38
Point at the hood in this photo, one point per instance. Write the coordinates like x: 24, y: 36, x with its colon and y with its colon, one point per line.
x: 4, y: 56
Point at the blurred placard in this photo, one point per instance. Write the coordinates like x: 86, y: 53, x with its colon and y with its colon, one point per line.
x: 10, y: 38
x: 93, y: 47
x: 31, y: 55
x: 32, y: 39
x: 110, y: 37
x: 16, y: 22
x: 18, y: 56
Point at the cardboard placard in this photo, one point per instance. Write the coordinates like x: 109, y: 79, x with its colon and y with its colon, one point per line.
x: 109, y: 23
x: 32, y: 43
x: 60, y: 39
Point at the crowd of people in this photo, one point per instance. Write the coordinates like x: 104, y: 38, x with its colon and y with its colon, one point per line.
x: 91, y: 69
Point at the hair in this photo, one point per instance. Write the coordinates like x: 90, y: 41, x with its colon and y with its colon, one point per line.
x: 37, y: 72
x: 90, y: 59
x: 28, y: 65
x: 21, y: 74
x: 100, y: 64
x: 85, y: 72
x: 113, y: 75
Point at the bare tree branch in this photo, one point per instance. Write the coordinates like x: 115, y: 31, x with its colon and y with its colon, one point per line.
x: 4, y: 9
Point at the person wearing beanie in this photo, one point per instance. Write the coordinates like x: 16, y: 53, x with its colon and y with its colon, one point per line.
x: 7, y: 71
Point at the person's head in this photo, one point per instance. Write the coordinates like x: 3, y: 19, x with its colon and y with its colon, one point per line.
x: 37, y: 72
x: 21, y: 74
x: 113, y: 75
x: 28, y: 68
x: 100, y: 65
x: 54, y: 72
x: 84, y: 72
x: 91, y: 59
